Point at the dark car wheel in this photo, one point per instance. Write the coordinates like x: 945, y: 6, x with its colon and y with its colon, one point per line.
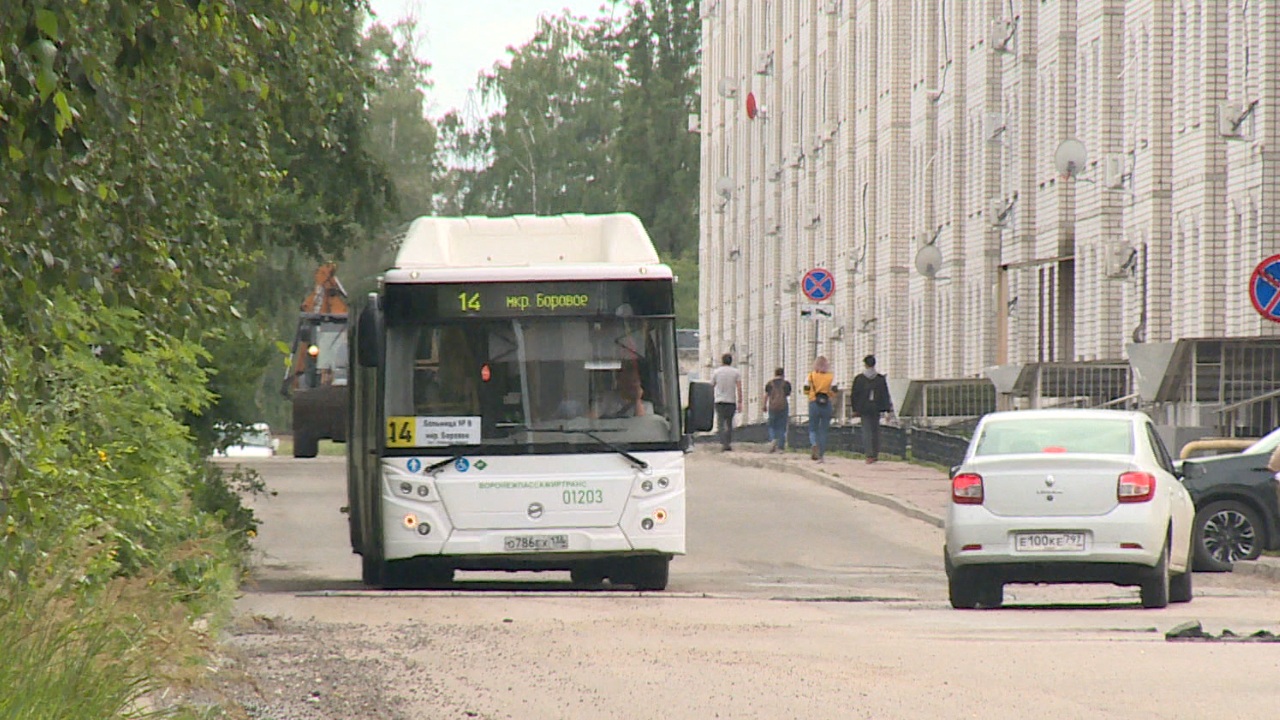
x: 1226, y: 532
x: 1154, y: 589
x: 969, y: 588
x: 305, y: 445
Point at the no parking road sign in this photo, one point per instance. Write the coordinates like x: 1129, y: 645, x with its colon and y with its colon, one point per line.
x: 818, y: 285
x: 1264, y: 288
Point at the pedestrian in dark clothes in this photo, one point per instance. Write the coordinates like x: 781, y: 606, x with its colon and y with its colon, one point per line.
x: 870, y: 400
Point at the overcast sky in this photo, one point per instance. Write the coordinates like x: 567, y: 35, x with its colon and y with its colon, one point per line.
x: 460, y: 38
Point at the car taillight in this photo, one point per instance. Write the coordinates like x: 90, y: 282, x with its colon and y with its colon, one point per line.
x: 966, y: 489
x: 1135, y: 487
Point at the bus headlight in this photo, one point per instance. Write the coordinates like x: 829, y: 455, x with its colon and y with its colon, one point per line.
x: 647, y: 523
x: 647, y: 485
x: 406, y: 488
x: 663, y: 482
x: 424, y: 529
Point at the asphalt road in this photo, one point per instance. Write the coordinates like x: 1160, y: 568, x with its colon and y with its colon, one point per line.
x: 794, y: 601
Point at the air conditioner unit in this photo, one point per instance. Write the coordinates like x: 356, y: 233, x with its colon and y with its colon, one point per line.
x: 795, y: 158
x: 1000, y: 212
x: 993, y: 127
x: 812, y: 215
x: 816, y: 141
x: 831, y: 7
x: 829, y: 130
x: 771, y: 226
x: 1235, y: 121
x: 1004, y: 36
x: 695, y: 123
x: 1120, y: 259
x: 764, y: 63
x: 774, y: 172
x: 727, y: 87
x: 762, y: 112
x: 1114, y: 171
x: 708, y: 9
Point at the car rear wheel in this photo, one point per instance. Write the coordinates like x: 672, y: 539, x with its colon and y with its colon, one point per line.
x: 1155, y: 586
x: 1180, y: 587
x: 1226, y: 532
x: 968, y: 588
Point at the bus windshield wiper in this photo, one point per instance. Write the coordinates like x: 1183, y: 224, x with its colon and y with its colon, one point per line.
x: 638, y: 462
x: 435, y: 467
x: 632, y: 458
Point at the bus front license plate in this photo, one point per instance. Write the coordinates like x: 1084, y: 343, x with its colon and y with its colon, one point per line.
x: 535, y: 543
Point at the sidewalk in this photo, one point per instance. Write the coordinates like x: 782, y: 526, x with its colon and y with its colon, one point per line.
x: 913, y: 490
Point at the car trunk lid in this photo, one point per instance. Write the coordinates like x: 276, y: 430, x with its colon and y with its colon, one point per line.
x: 1050, y: 485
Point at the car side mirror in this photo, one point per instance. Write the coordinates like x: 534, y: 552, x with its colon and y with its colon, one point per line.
x: 701, y: 413
x: 369, y: 334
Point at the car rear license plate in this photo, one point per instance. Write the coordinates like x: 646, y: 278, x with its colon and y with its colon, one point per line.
x: 535, y: 543
x: 1049, y: 542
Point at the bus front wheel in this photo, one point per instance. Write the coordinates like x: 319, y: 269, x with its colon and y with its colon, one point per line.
x: 372, y: 568
x: 646, y: 573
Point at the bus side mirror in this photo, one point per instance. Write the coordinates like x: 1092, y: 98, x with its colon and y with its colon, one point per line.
x: 701, y: 414
x: 369, y: 335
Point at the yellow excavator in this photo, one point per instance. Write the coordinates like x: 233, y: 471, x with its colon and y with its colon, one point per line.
x: 316, y: 378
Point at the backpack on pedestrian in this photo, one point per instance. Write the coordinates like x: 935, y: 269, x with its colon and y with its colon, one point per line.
x: 777, y: 396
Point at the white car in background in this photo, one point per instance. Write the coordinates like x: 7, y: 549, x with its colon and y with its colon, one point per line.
x: 255, y: 441
x: 1067, y: 496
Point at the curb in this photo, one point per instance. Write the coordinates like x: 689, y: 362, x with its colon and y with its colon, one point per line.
x: 834, y: 483
x: 1267, y: 570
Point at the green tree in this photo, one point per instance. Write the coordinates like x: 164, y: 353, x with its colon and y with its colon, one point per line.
x: 155, y: 152
x: 551, y: 148
x: 400, y: 135
x: 657, y: 155
x: 592, y: 117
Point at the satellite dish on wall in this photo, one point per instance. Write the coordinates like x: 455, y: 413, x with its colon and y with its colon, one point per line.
x: 1070, y: 157
x: 727, y: 87
x: 724, y: 187
x: 929, y: 261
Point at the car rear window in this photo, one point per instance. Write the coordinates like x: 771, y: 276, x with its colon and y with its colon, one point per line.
x: 1056, y: 435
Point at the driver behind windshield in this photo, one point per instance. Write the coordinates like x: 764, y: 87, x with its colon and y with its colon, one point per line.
x: 625, y: 398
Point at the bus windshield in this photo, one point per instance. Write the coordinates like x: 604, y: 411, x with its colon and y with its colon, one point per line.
x: 535, y: 384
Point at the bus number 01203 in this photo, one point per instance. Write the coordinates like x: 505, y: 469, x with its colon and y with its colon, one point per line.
x: 582, y: 497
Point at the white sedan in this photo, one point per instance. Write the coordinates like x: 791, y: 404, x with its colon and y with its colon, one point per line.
x: 1067, y: 496
x: 254, y: 441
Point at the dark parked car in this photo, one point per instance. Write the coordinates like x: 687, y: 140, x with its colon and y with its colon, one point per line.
x: 1237, y: 505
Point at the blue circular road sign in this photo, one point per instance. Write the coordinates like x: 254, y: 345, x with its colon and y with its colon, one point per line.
x: 1264, y: 288
x: 818, y: 284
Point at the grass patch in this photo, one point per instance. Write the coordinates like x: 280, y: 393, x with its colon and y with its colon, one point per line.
x: 327, y: 448
x: 78, y: 650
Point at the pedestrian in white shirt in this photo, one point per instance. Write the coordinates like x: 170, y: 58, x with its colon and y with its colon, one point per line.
x: 727, y: 384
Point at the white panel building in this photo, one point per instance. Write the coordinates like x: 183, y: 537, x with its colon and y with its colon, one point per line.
x: 847, y: 135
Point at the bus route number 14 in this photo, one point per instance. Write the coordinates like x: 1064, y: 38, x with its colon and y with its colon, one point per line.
x: 400, y: 432
x: 469, y: 302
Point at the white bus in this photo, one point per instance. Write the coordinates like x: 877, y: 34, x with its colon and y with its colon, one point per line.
x: 515, y: 405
